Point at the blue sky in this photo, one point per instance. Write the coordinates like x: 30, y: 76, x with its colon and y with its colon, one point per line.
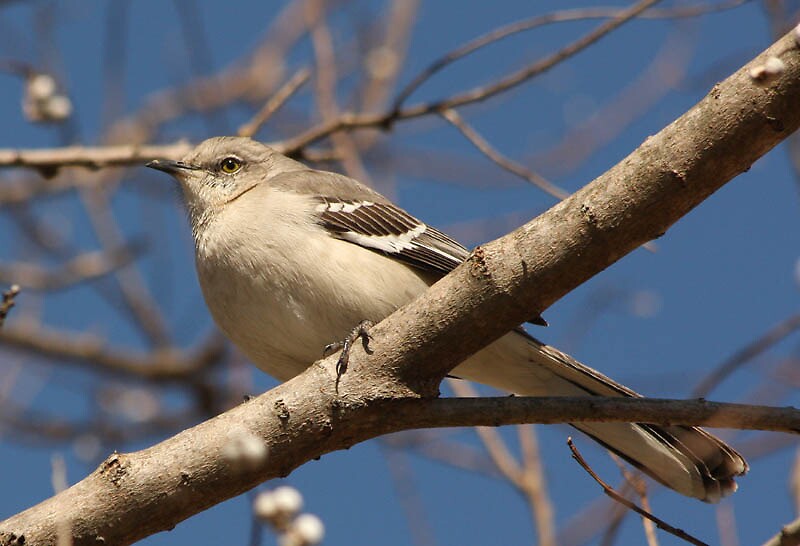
x: 723, y: 275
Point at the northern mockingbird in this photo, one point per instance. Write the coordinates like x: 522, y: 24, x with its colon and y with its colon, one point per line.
x: 291, y: 258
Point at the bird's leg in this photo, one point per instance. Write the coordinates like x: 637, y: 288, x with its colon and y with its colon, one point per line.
x: 360, y: 331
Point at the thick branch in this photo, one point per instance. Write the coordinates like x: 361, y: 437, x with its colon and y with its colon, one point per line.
x: 135, y: 495
x: 636, y: 201
x: 500, y: 285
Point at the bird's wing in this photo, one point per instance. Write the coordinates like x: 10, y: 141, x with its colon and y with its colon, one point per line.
x: 388, y: 229
x: 358, y: 214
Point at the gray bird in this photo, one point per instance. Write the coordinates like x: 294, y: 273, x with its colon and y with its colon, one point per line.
x: 290, y: 259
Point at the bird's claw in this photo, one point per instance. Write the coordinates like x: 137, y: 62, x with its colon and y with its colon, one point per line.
x: 360, y: 331
x: 331, y: 348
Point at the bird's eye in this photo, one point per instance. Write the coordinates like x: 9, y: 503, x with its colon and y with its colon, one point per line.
x: 230, y: 165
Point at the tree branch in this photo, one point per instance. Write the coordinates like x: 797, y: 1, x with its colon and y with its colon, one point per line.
x: 789, y: 535
x: 90, y: 157
x: 160, y: 365
x: 349, y: 121
x: 608, y: 490
x: 133, y: 495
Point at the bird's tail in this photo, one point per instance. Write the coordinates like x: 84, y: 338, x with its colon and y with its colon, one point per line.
x: 687, y: 459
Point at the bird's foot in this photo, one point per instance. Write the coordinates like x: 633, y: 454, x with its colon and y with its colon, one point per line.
x: 360, y: 331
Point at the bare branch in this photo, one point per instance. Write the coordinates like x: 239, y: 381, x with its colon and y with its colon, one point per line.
x: 275, y: 102
x: 608, y: 490
x: 549, y: 410
x: 746, y: 354
x: 789, y: 535
x: 657, y: 79
x: 535, y: 486
x: 482, y: 93
x: 81, y: 268
x: 511, y: 166
x: 498, y: 287
x: 498, y: 450
x: 726, y: 524
x: 136, y: 296
x: 348, y: 121
x: 431, y: 445
x: 254, y: 80
x: 636, y: 482
x: 49, y: 160
x: 166, y: 365
x: 559, y: 16
x: 200, y: 473
x: 326, y: 81
x: 527, y: 476
x: 8, y: 302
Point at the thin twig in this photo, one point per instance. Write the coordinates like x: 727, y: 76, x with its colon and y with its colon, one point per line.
x: 535, y: 486
x: 432, y: 445
x: 616, y: 517
x: 8, y: 302
x: 253, y: 80
x: 275, y: 102
x: 78, y: 269
x: 524, y: 74
x: 145, y: 312
x: 660, y: 77
x: 608, y: 490
x: 639, y: 486
x: 509, y: 164
x: 386, y: 59
x: 383, y: 61
x: 726, y: 524
x: 160, y: 366
x: 746, y: 354
x: 504, y: 162
x: 326, y: 80
x: 494, y: 444
x: 560, y: 16
x: 409, y: 496
x: 349, y: 120
x: 49, y: 160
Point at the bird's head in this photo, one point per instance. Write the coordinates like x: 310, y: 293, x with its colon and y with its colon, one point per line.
x: 221, y: 169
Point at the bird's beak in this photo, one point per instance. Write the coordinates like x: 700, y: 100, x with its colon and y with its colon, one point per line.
x: 171, y: 167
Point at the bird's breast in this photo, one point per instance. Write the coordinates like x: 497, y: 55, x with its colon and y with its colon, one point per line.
x: 281, y: 302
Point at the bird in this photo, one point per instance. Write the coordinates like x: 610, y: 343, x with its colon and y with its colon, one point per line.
x: 290, y: 259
